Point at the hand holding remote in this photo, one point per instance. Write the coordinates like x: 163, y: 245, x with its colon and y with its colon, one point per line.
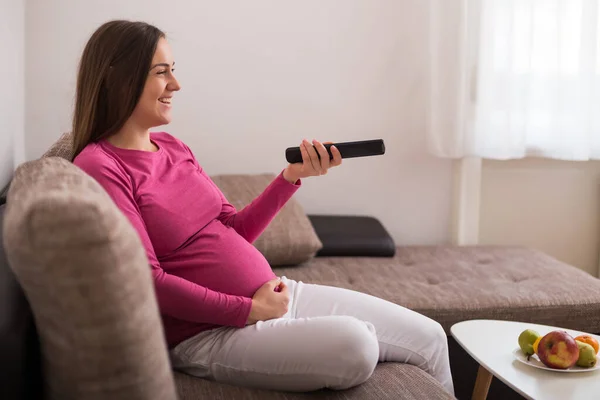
x: 315, y: 161
x: 361, y: 148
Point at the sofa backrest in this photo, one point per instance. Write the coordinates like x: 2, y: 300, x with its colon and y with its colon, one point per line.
x: 62, y: 148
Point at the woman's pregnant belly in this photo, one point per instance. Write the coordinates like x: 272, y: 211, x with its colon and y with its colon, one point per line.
x: 218, y: 258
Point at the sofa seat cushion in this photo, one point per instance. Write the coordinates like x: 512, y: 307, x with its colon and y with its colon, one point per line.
x: 389, y: 381
x: 451, y: 284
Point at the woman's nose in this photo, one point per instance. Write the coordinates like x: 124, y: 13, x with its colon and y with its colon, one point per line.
x: 174, y: 85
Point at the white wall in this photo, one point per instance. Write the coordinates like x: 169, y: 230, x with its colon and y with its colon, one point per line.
x: 12, y: 44
x: 550, y: 205
x: 258, y: 76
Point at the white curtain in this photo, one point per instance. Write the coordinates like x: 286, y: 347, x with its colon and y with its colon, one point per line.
x: 515, y: 78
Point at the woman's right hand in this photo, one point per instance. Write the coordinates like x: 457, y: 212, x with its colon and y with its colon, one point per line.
x: 270, y: 301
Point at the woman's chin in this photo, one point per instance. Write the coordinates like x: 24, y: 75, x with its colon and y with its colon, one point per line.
x: 163, y: 120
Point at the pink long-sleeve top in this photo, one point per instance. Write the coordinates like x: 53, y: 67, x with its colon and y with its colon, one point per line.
x: 199, y: 247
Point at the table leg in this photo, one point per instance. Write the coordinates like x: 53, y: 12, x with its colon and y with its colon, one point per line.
x: 482, y: 384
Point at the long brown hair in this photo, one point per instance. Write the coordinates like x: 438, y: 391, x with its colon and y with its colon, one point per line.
x: 112, y: 74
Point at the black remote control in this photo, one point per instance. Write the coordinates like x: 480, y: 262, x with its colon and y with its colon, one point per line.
x: 362, y: 148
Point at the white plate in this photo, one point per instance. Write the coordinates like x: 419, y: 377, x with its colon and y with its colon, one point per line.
x: 534, y: 361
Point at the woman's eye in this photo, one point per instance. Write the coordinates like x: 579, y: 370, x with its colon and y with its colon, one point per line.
x: 162, y: 72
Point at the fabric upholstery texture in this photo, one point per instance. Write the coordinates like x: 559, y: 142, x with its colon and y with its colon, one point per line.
x: 452, y: 284
x: 19, y: 370
x: 290, y: 238
x: 391, y: 381
x: 86, y: 276
x: 62, y: 148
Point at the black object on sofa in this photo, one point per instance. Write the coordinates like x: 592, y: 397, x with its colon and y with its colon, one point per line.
x: 20, y: 364
x: 352, y: 236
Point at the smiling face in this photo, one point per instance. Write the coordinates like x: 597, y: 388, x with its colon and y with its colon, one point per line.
x: 154, y: 107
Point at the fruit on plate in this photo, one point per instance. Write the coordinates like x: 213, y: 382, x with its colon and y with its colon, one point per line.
x: 558, y: 350
x: 526, y: 340
x: 589, y: 340
x: 587, y: 355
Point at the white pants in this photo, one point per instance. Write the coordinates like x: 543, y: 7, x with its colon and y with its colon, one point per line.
x: 330, y: 338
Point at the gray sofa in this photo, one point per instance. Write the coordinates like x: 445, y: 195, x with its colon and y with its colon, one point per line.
x: 84, y: 277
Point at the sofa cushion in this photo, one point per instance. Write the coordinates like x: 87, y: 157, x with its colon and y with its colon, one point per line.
x: 452, y: 284
x: 352, y: 236
x: 85, y: 273
x: 389, y: 381
x: 290, y: 238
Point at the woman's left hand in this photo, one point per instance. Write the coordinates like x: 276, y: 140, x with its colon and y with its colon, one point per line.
x: 315, y: 161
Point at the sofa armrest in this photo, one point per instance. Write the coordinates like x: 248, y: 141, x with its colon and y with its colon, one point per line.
x: 84, y: 272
